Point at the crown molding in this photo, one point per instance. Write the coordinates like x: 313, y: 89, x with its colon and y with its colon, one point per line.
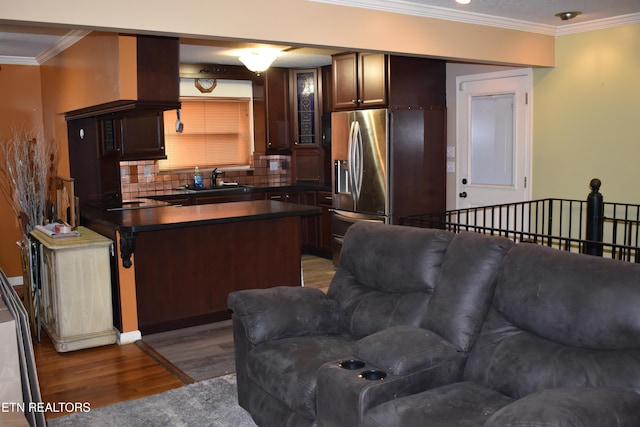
x: 18, y: 60
x: 65, y: 42
x: 598, y: 24
x: 415, y: 9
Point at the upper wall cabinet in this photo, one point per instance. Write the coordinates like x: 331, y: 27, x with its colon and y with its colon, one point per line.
x: 369, y: 80
x: 277, y: 110
x: 158, y: 66
x: 306, y: 105
x: 359, y: 80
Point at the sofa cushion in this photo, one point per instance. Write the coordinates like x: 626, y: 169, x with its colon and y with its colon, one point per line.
x: 394, y: 258
x: 569, y: 407
x: 573, y: 299
x: 559, y: 319
x: 517, y: 363
x: 402, y: 350
x: 287, y: 368
x: 459, y: 404
x: 386, y: 276
x: 462, y: 298
x: 284, y: 311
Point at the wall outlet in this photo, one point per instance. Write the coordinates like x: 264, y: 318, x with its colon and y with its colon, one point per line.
x: 147, y: 171
x: 273, y: 165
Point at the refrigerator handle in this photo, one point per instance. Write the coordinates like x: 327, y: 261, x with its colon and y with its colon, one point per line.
x: 350, y: 161
x: 358, y: 160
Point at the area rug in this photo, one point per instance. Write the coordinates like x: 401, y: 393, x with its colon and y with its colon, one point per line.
x: 211, y: 402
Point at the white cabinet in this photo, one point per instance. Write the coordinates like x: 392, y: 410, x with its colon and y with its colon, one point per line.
x: 75, y: 307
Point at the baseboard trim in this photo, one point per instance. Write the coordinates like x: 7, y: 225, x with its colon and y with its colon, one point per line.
x: 128, y: 337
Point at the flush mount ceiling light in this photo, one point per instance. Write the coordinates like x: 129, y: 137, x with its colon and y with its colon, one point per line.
x: 565, y: 16
x: 259, y: 60
x: 463, y: 1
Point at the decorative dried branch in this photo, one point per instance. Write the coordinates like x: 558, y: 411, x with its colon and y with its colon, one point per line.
x: 27, y: 167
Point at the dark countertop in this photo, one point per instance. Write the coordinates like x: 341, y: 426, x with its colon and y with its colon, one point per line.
x: 131, y: 222
x: 180, y: 192
x: 163, y: 217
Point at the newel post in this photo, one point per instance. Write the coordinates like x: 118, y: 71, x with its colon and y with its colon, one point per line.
x: 595, y: 219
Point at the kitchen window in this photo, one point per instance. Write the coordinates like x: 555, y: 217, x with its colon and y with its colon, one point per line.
x: 217, y: 133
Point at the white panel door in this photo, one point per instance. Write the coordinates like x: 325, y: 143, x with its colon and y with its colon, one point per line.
x: 494, y: 138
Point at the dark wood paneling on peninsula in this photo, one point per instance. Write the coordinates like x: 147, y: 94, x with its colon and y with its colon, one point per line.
x: 183, y: 276
x: 189, y: 258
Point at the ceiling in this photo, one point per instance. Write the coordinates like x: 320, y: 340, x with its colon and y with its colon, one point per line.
x: 34, y: 45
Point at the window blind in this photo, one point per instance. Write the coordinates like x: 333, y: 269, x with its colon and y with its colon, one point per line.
x: 217, y: 132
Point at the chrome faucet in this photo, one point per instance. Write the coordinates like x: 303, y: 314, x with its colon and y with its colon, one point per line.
x: 214, y: 176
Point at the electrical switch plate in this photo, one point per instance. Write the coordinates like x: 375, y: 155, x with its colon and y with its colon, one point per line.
x: 147, y: 171
x: 451, y: 167
x: 451, y: 151
x: 273, y: 165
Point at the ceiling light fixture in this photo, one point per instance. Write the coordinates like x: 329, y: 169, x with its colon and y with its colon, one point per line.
x: 565, y: 16
x: 463, y: 1
x: 258, y: 60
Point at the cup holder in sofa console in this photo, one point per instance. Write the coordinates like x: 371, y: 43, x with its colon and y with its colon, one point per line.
x: 351, y: 364
x: 373, y: 375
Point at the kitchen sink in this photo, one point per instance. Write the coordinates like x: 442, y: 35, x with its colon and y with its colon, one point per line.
x: 218, y: 189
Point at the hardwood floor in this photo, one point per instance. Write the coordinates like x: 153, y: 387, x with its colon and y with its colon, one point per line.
x: 100, y: 376
x: 106, y: 375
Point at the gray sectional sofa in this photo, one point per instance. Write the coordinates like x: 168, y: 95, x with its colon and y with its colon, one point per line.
x: 426, y: 327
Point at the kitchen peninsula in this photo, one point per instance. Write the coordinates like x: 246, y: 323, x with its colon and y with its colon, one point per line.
x: 179, y: 263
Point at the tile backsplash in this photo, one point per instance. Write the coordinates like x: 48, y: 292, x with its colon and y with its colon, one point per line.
x: 143, y: 178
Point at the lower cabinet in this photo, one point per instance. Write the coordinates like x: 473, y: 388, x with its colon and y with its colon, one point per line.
x: 75, y: 308
x: 325, y: 200
x: 205, y: 200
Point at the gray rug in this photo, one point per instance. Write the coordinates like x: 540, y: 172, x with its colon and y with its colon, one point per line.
x: 211, y: 402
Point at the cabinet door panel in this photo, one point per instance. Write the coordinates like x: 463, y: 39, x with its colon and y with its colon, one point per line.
x: 372, y: 80
x: 277, y: 112
x: 308, y: 165
x: 345, y: 81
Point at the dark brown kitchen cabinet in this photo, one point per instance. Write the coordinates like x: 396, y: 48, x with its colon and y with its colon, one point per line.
x: 97, y: 176
x: 372, y: 80
x: 284, y: 195
x: 309, y: 223
x: 309, y: 153
x: 324, y: 224
x: 205, y: 200
x: 135, y: 136
x: 277, y: 110
x: 359, y: 80
x: 308, y: 165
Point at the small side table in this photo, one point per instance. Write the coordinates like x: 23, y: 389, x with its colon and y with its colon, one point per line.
x: 75, y: 290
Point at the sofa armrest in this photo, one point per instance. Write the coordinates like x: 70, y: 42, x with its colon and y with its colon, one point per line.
x: 572, y: 406
x: 285, y: 311
x: 401, y: 350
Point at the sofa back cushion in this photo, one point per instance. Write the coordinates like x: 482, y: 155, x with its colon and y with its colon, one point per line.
x: 465, y: 289
x: 386, y: 275
x: 560, y: 319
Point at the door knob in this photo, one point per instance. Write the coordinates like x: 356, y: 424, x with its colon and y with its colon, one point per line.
x: 463, y: 194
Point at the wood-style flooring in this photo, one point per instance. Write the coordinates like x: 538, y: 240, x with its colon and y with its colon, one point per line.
x: 106, y: 375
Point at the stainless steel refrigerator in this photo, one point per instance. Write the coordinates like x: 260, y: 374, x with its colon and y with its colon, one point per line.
x: 386, y: 163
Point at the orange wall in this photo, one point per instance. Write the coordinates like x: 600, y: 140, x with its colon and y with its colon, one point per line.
x: 88, y: 73
x: 20, y: 107
x: 97, y: 69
